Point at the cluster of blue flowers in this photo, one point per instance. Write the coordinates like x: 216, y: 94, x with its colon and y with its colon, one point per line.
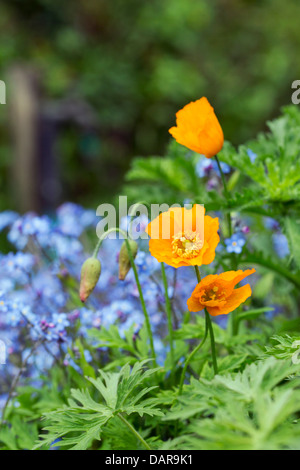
x: 39, y: 281
x: 41, y: 316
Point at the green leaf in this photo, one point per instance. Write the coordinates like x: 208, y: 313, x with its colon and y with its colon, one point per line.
x: 251, y: 410
x: 81, y: 422
x: 254, y: 313
x: 292, y: 230
x: 287, y: 347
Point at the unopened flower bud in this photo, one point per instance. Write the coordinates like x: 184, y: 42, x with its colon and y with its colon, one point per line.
x: 90, y: 273
x: 124, y: 260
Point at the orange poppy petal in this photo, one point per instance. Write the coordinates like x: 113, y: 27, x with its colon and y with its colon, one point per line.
x: 205, y: 282
x: 188, y: 139
x: 184, y: 222
x: 211, y: 235
x: 160, y: 248
x: 212, y: 137
x: 194, y: 218
x: 214, y: 303
x: 237, y: 297
x: 234, y: 277
x: 198, y: 128
x: 194, y: 305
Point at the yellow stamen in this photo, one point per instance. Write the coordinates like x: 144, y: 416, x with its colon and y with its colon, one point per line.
x: 213, y: 293
x: 187, y: 244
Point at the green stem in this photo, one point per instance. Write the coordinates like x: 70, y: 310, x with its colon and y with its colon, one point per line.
x: 134, y: 431
x: 210, y: 329
x: 147, y: 319
x: 169, y: 314
x: 212, y: 341
x: 198, y: 274
x: 190, y: 357
x: 226, y: 193
x: 233, y: 256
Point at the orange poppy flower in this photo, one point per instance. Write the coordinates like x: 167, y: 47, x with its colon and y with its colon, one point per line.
x: 198, y: 128
x: 216, y: 293
x: 184, y: 237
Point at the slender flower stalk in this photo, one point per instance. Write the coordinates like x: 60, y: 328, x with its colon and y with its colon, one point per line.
x: 226, y: 193
x: 190, y: 357
x: 232, y: 323
x: 210, y: 329
x: 212, y: 341
x: 131, y: 257
x: 169, y: 314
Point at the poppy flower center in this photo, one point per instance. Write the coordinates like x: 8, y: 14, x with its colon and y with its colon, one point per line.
x: 213, y: 293
x: 187, y: 244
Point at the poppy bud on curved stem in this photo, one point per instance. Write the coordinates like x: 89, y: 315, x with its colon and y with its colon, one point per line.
x: 90, y: 273
x: 124, y: 260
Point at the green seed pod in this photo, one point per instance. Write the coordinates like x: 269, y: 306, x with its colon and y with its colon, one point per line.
x: 90, y: 273
x: 124, y: 261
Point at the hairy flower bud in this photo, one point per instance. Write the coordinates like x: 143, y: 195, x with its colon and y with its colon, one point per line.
x: 124, y: 260
x: 90, y: 273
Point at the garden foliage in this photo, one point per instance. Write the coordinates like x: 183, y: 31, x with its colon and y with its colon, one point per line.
x: 87, y: 378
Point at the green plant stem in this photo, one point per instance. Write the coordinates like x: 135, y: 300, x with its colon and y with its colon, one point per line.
x: 134, y: 431
x: 147, y: 319
x: 228, y: 215
x: 212, y: 341
x: 226, y: 193
x: 210, y: 329
x: 234, y: 263
x: 190, y: 357
x: 169, y: 314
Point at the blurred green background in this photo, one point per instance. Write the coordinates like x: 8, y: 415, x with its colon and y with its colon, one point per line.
x: 92, y: 83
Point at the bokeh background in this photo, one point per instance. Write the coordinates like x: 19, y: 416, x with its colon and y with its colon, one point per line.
x: 92, y: 83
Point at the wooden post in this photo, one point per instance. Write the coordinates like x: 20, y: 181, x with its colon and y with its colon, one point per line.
x: 24, y: 109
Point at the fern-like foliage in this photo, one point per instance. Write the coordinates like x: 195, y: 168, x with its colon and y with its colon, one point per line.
x: 284, y: 347
x: 292, y: 231
x: 123, y: 349
x: 174, y: 172
x: 82, y: 421
x: 276, y: 168
x: 250, y: 410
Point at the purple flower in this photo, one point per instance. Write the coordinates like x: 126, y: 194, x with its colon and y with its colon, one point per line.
x: 245, y: 229
x: 271, y: 224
